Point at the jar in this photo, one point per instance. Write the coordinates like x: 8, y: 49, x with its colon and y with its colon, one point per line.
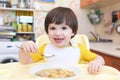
x: 13, y: 3
x: 24, y: 27
x: 19, y: 29
x: 21, y: 3
x: 29, y: 28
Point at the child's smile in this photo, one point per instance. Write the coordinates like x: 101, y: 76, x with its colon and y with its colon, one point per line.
x: 58, y: 40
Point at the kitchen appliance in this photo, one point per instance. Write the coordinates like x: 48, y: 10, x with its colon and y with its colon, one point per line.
x: 118, y: 28
x: 114, y: 20
x: 4, y: 3
x: 9, y: 52
x: 94, y: 17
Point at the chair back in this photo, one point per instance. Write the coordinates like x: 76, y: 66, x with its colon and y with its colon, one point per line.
x: 43, y: 39
x: 79, y: 38
x: 82, y: 39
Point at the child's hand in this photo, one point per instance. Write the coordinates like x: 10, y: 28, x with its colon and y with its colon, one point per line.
x: 94, y: 67
x: 29, y: 47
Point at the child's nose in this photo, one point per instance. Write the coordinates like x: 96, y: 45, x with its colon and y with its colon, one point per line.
x: 58, y: 32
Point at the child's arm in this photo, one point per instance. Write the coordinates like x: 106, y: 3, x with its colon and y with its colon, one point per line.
x: 95, y: 61
x: 25, y: 49
x: 96, y: 64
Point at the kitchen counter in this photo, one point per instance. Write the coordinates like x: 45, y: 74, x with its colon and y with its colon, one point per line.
x: 107, y: 48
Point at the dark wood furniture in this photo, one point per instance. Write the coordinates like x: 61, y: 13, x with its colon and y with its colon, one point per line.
x: 109, y: 60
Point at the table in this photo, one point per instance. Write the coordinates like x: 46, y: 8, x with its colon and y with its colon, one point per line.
x: 18, y: 71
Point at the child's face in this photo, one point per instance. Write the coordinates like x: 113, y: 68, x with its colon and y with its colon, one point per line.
x: 60, y: 35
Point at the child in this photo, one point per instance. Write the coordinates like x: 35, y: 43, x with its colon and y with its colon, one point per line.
x: 61, y: 25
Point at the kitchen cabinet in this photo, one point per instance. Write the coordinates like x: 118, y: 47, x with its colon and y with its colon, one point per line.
x: 109, y: 60
x: 24, y: 22
x: 95, y: 4
x: 85, y: 3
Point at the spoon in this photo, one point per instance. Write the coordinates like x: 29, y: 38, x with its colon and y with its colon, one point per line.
x: 47, y: 55
x: 44, y: 55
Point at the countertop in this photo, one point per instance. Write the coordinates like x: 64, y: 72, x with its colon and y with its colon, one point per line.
x: 108, y: 48
x: 18, y: 71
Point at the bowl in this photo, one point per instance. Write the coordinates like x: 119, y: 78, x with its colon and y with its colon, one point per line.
x: 51, y: 66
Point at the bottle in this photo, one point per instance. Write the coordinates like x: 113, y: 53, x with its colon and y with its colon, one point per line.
x: 21, y: 4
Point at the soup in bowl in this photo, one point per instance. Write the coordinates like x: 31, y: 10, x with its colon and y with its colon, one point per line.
x: 55, y: 71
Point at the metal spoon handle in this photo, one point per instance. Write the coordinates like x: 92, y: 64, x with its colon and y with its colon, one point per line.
x: 46, y: 56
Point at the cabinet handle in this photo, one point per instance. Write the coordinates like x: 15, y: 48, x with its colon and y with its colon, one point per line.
x: 115, y: 63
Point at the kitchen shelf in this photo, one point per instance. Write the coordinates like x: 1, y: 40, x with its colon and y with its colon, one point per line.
x: 15, y: 9
x: 21, y: 9
x: 7, y: 33
x: 25, y: 33
x: 101, y: 3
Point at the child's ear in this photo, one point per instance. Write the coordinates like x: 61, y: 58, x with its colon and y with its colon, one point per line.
x: 73, y: 34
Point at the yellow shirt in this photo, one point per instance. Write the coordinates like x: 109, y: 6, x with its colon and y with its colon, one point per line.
x: 72, y: 54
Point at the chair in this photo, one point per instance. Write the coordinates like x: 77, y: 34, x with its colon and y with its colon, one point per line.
x: 43, y: 39
x: 82, y: 39
x: 79, y: 38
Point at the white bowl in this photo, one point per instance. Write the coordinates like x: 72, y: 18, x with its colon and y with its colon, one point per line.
x: 74, y: 69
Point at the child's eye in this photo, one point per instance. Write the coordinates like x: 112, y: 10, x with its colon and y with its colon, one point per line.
x: 64, y: 28
x: 52, y: 28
